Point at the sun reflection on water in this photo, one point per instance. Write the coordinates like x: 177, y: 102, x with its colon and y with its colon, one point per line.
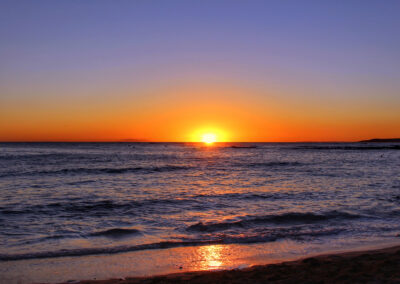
x: 213, y: 256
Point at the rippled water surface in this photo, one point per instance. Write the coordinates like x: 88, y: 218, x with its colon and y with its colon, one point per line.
x: 61, y: 199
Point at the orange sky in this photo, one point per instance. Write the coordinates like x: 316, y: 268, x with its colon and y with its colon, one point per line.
x: 185, y: 113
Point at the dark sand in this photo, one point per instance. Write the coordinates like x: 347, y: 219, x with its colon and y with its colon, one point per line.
x: 374, y: 266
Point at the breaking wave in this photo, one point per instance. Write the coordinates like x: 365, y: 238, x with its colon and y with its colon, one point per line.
x: 218, y: 239
x: 287, y: 218
x: 116, y: 233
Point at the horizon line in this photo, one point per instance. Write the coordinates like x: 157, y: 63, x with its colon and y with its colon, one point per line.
x: 144, y: 141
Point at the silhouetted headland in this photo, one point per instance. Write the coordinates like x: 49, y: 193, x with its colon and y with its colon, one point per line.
x: 379, y: 140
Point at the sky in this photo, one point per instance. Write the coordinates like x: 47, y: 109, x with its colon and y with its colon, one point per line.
x: 173, y: 70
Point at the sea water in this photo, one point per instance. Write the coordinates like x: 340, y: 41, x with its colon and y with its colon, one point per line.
x: 85, y: 199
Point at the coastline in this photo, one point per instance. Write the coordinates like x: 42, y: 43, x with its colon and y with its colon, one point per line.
x: 359, y: 266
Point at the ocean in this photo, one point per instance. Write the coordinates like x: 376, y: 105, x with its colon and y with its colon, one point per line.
x: 84, y: 199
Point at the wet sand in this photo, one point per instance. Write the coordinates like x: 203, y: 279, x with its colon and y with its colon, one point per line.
x: 372, y: 266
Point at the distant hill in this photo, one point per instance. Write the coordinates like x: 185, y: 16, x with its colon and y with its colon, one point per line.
x: 378, y: 140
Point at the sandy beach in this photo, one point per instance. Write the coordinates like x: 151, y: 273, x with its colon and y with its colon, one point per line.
x: 370, y: 266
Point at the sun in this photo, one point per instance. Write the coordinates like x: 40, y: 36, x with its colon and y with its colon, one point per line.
x: 209, y: 138
x: 209, y: 135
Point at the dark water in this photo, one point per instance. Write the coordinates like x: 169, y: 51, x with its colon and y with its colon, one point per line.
x: 61, y: 199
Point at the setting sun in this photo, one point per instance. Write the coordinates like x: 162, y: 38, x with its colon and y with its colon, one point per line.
x: 209, y: 138
x: 209, y: 135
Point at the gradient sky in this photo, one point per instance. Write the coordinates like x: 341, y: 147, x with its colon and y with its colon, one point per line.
x: 171, y: 70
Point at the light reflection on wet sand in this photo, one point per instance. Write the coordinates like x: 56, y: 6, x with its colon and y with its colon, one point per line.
x: 164, y: 261
x: 142, y: 263
x: 213, y: 257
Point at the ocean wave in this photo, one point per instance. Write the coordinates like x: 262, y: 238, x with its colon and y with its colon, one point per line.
x: 63, y: 157
x: 287, y: 218
x: 83, y: 171
x: 243, y: 146
x: 40, y: 158
x: 254, y: 196
x: 116, y: 233
x: 217, y: 239
x: 241, y: 196
x: 92, y: 207
x: 102, y: 250
x: 167, y: 168
x: 272, y: 164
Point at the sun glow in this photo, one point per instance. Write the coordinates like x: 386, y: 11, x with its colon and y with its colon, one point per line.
x: 209, y: 135
x: 209, y: 138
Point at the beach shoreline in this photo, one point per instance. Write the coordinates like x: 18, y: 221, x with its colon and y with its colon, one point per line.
x: 360, y: 266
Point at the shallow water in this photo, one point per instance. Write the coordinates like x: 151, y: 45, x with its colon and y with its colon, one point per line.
x: 82, y: 199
